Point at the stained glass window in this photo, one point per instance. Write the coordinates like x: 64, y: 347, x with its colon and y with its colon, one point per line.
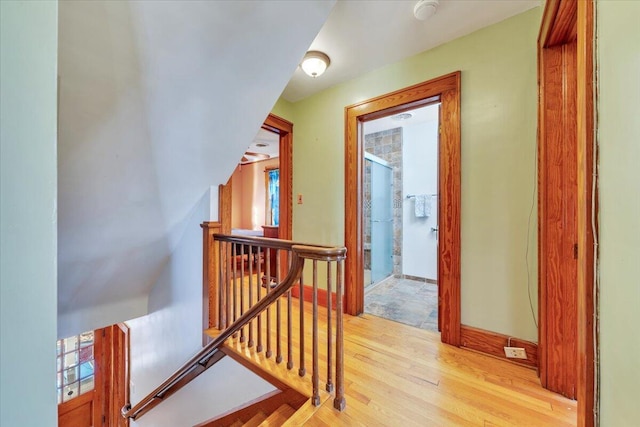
x: 75, y: 366
x: 273, y: 196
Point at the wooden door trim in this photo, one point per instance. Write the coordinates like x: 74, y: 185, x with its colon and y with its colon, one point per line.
x: 447, y: 90
x: 565, y: 22
x: 284, y: 129
x: 119, y: 375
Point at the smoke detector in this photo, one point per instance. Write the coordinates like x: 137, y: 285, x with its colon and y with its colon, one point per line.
x: 402, y: 116
x: 425, y: 9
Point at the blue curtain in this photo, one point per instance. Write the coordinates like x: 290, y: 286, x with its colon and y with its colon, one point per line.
x: 274, y: 195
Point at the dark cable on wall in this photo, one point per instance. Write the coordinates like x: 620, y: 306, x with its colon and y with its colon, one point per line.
x: 533, y: 203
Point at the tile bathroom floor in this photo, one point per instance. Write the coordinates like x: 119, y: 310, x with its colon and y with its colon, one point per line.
x: 407, y: 301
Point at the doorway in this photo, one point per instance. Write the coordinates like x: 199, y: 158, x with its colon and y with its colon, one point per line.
x: 93, y: 377
x: 446, y: 90
x: 284, y: 131
x: 255, y: 186
x: 401, y: 216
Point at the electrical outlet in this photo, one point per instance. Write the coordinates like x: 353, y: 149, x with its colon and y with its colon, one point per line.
x: 515, y: 352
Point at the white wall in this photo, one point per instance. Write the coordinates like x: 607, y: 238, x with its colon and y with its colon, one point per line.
x: 420, y: 176
x: 28, y: 217
x: 619, y: 192
x: 172, y: 332
x: 224, y: 386
x: 158, y: 101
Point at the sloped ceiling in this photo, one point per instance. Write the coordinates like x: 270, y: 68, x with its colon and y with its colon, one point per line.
x: 158, y: 101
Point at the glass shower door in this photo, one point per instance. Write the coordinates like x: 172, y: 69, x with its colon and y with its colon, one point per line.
x: 381, y: 222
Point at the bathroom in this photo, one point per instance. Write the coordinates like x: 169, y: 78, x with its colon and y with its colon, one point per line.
x: 400, y: 208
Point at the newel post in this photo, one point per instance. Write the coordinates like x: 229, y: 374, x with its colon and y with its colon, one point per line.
x: 210, y: 279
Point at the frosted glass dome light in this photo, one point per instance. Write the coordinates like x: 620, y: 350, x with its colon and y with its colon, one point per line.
x: 315, y: 63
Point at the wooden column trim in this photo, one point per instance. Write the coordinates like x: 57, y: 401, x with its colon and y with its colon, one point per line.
x: 210, y: 278
x: 587, y: 345
x: 567, y: 22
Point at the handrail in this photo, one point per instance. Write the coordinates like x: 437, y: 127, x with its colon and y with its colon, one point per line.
x: 209, y: 355
x: 334, y: 253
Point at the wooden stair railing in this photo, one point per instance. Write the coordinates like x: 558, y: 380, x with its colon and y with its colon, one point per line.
x: 238, y: 313
x: 248, y: 271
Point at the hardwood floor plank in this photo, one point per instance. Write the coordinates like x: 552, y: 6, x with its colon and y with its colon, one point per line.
x: 397, y: 375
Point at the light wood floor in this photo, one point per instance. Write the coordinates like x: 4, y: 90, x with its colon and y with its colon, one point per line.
x: 397, y: 375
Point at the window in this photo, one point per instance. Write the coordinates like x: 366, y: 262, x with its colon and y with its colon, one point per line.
x: 75, y: 366
x: 273, y: 196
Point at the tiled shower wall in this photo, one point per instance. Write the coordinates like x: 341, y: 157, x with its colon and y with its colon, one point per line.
x: 388, y: 146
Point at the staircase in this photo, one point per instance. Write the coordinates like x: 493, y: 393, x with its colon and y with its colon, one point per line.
x: 257, y: 321
x: 276, y: 418
x: 273, y: 409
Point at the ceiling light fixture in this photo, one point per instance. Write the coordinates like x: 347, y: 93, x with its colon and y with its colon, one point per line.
x: 315, y: 63
x: 402, y: 116
x: 425, y: 9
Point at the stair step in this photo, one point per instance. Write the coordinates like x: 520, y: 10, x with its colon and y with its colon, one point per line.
x: 238, y: 423
x: 278, y: 418
x: 256, y: 420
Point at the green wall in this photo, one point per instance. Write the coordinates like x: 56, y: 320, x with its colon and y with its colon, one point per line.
x: 499, y: 115
x: 619, y: 146
x: 284, y: 109
x: 28, y: 216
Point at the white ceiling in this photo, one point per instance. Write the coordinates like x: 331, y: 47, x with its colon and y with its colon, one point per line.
x: 362, y: 35
x: 425, y: 114
x: 265, y: 142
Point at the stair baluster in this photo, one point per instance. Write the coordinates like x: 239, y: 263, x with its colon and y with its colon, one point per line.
x: 278, y: 314
x: 339, y: 402
x: 252, y: 260
x: 227, y: 285
x: 315, y: 374
x: 258, y: 298
x: 329, y: 385
x: 242, y: 261
x: 267, y: 285
x: 234, y: 254
x: 301, y: 369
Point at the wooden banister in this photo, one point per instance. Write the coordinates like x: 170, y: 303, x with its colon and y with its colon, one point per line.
x: 211, y: 353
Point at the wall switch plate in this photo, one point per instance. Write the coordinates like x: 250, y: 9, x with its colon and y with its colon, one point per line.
x: 515, y: 352
x: 299, y: 199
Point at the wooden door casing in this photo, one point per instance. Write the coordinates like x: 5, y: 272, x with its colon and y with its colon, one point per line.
x: 445, y: 89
